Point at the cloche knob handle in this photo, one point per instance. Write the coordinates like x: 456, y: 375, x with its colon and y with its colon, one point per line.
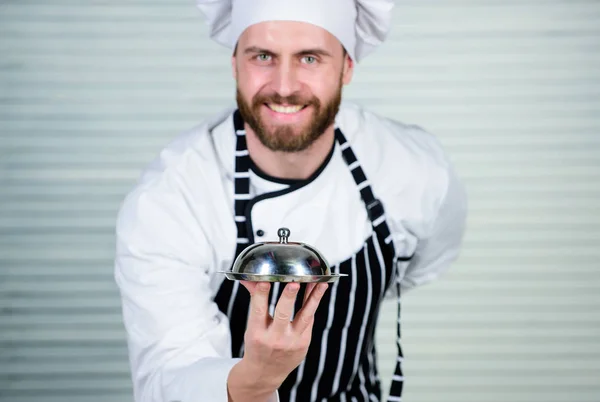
x: 283, y: 234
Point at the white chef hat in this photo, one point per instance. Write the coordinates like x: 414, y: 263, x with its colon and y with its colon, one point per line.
x: 360, y: 25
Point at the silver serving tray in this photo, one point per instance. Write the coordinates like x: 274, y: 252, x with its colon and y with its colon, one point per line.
x: 237, y: 276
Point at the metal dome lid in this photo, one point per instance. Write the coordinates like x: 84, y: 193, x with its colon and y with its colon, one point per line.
x: 281, y: 261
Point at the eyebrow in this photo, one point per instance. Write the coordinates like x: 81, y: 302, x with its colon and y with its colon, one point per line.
x: 315, y: 51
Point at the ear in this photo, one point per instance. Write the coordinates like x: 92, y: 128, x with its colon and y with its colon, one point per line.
x: 348, y: 70
x: 233, y: 66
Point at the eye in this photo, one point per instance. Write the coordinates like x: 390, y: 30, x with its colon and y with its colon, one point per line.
x: 309, y: 59
x: 263, y: 57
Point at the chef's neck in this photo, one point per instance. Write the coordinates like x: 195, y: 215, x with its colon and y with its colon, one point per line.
x: 290, y: 165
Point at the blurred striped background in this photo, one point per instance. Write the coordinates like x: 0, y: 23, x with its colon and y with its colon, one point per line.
x: 91, y: 90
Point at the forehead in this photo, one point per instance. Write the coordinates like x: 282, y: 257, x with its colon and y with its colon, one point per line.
x: 287, y: 36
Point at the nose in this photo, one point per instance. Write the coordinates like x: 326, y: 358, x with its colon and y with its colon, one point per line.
x: 285, y: 80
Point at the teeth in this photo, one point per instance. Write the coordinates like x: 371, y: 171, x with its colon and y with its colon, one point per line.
x: 285, y: 109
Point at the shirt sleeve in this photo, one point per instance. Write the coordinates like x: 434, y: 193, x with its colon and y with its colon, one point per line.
x: 441, y: 246
x: 178, y: 339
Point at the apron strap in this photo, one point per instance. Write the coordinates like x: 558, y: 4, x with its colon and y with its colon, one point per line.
x: 373, y: 206
x: 229, y: 294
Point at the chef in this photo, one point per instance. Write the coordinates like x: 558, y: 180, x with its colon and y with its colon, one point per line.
x: 378, y: 198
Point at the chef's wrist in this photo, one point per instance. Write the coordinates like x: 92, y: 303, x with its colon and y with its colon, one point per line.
x: 247, y: 383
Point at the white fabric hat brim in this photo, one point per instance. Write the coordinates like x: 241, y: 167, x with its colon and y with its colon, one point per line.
x: 360, y: 25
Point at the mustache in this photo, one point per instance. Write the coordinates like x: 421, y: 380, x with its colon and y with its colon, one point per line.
x: 293, y: 100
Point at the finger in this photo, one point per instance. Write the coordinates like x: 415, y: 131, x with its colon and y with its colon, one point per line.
x: 285, y: 307
x: 306, y: 315
x: 308, y: 291
x: 259, y: 304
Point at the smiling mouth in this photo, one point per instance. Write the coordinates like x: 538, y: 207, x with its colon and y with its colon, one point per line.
x: 285, y: 109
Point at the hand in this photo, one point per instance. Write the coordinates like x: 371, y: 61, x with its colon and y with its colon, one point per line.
x: 274, y: 346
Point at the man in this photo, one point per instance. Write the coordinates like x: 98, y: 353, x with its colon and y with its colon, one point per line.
x: 378, y: 198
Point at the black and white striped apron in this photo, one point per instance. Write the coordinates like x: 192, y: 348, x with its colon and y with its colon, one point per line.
x: 341, y: 362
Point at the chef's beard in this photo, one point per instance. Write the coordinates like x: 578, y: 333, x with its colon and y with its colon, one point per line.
x: 286, y: 138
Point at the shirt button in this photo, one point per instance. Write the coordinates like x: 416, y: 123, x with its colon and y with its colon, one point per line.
x: 260, y: 233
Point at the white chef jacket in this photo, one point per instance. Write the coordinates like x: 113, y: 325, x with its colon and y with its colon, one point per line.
x: 176, y: 229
